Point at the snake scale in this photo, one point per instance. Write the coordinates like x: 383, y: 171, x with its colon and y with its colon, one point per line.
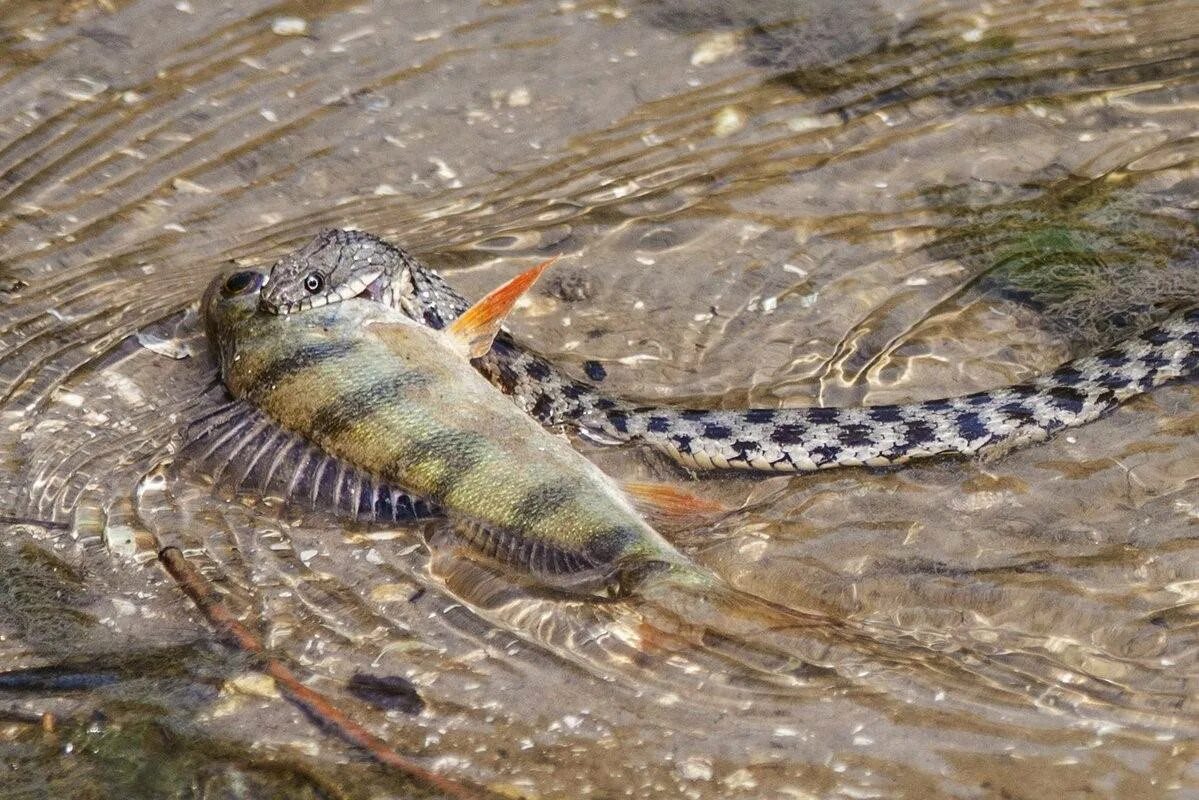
x: 338, y: 264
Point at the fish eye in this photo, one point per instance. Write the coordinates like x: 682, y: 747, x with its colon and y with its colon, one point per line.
x: 242, y: 283
x: 314, y: 282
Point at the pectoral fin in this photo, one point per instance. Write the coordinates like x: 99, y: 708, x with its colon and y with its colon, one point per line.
x: 478, y: 325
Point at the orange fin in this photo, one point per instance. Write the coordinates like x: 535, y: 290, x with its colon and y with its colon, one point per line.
x: 479, y: 324
x: 664, y: 500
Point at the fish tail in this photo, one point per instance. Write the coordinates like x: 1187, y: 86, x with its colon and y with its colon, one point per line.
x: 687, y: 606
x: 688, y: 609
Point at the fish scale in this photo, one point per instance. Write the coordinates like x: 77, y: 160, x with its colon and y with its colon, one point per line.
x: 763, y: 439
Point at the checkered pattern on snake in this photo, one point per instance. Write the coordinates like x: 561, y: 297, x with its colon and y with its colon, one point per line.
x: 339, y: 264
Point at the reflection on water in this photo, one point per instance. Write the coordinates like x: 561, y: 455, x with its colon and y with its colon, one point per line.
x: 866, y: 203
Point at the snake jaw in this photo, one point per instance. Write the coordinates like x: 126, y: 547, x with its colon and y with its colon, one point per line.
x: 354, y: 287
x: 369, y: 286
x: 373, y: 290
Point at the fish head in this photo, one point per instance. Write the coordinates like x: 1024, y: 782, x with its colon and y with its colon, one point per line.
x: 229, y: 301
x: 334, y: 266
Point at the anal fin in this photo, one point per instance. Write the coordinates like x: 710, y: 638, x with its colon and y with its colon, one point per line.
x: 553, y: 566
x: 242, y: 450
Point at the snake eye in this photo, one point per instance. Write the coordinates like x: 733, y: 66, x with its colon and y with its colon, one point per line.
x: 242, y: 283
x: 314, y: 282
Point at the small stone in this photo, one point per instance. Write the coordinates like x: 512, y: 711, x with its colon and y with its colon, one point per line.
x: 594, y: 370
x: 184, y: 186
x: 124, y: 608
x: 289, y: 26
x: 803, y: 124
x: 696, y: 769
x: 121, y: 540
x: 392, y: 692
x: 519, y: 97
x: 714, y: 48
x: 68, y: 398
x: 83, y: 88
x: 570, y: 287
x: 254, y: 684
x: 444, y: 172
x: 729, y: 120
x: 741, y: 779
x: 390, y: 593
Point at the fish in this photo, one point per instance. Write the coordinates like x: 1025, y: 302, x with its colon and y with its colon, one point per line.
x: 339, y: 264
x: 399, y: 403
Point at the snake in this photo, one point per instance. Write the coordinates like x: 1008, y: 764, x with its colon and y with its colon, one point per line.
x: 338, y: 264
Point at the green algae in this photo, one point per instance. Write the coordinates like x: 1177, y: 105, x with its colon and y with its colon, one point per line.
x: 1095, y: 257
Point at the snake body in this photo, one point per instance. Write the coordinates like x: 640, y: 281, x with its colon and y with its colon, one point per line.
x: 339, y: 264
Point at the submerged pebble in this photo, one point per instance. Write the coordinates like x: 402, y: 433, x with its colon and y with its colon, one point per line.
x: 289, y: 26
x: 714, y: 48
x: 392, y: 692
x: 728, y: 121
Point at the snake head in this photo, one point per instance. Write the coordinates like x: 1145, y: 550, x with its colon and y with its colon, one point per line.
x: 334, y: 266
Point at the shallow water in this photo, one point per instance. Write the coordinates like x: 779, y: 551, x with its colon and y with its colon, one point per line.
x: 869, y: 203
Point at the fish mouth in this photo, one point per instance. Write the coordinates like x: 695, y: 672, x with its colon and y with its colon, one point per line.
x: 368, y: 287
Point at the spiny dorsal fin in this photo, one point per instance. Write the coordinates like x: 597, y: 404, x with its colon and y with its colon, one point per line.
x: 240, y: 448
x: 475, y: 329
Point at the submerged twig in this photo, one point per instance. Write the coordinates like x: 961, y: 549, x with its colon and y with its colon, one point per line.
x: 22, y: 717
x: 313, y: 703
x: 50, y: 525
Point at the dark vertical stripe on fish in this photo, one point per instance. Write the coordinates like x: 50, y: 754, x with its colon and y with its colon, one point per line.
x: 604, y: 547
x: 298, y: 360
x: 544, y: 500
x: 344, y: 411
x: 457, y: 453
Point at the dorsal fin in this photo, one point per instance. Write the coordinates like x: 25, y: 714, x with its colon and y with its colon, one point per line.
x: 479, y: 324
x: 241, y: 449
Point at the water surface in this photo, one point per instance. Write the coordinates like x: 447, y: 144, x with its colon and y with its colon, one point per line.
x: 863, y: 203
